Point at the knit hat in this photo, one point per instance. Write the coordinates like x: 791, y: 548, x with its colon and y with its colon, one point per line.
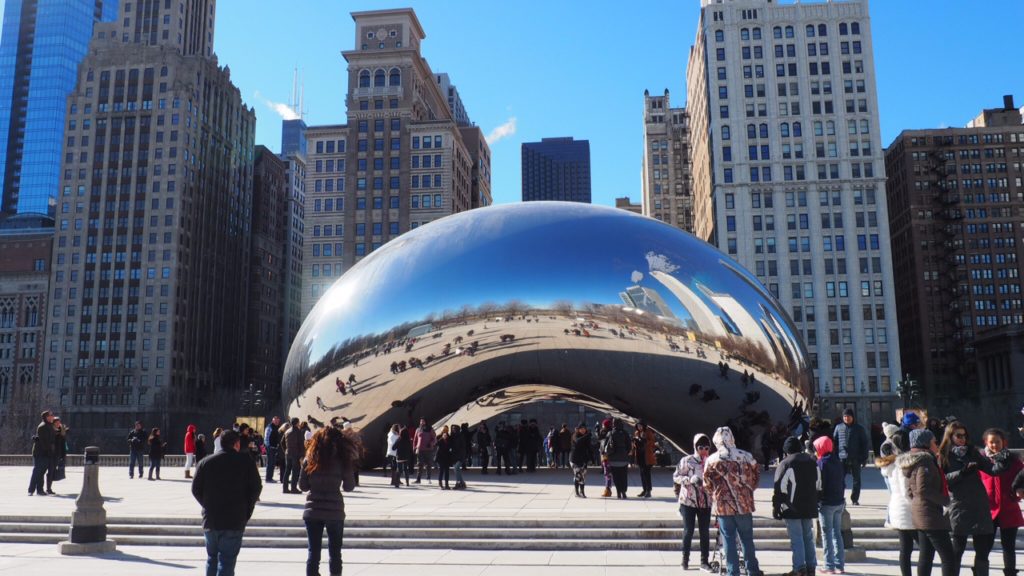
x: 889, y: 429
x: 792, y: 445
x: 606, y: 423
x: 910, y: 419
x: 921, y: 438
x: 849, y: 412
x: 823, y: 446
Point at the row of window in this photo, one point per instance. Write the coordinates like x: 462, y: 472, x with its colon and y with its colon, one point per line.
x: 779, y: 32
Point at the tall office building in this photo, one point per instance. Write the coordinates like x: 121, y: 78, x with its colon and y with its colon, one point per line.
x: 556, y: 169
x: 399, y: 162
x: 480, y: 155
x: 956, y: 202
x: 788, y: 179
x: 667, y: 194
x: 293, y: 152
x: 150, y: 281
x: 451, y: 94
x: 43, y: 42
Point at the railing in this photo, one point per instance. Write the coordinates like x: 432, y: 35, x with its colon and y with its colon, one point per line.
x: 114, y: 460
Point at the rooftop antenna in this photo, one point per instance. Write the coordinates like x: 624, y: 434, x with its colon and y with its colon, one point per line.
x: 302, y: 99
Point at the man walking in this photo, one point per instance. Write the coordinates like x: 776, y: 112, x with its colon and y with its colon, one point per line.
x: 227, y: 486
x: 851, y: 442
x: 272, y: 439
x: 294, y: 448
x: 731, y: 475
x: 795, y: 501
x: 43, y: 443
x: 137, y: 441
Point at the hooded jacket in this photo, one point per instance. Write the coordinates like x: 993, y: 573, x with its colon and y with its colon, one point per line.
x: 731, y: 476
x: 898, y: 516
x: 796, y: 487
x: 190, y: 439
x: 1004, y: 505
x: 580, y: 453
x: 689, y: 475
x: 833, y: 481
x: 969, y: 505
x: 925, y: 489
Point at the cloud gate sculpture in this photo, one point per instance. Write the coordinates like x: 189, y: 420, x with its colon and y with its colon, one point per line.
x: 486, y: 310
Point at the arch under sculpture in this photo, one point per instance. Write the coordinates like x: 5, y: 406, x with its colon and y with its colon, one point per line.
x: 500, y: 305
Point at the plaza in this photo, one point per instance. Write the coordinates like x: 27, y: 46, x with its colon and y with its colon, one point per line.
x: 500, y: 525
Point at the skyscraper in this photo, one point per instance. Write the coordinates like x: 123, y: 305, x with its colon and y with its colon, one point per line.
x: 666, y: 172
x: 150, y: 279
x: 293, y: 152
x: 788, y: 179
x: 400, y: 162
x: 955, y: 200
x: 43, y: 43
x: 556, y: 169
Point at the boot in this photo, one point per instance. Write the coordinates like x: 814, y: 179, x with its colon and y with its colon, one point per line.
x: 583, y: 493
x: 686, y: 561
x: 607, y: 493
x: 576, y: 486
x: 188, y: 473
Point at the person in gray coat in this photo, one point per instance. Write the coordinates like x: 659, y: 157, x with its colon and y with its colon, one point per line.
x: 968, y: 510
x: 329, y: 468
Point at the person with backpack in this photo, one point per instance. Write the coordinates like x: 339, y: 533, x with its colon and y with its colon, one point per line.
x: 795, y: 502
x: 617, y: 447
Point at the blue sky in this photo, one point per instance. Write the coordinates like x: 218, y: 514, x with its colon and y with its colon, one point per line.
x: 579, y: 68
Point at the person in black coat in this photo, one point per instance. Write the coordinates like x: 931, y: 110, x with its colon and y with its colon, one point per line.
x: 157, y: 446
x: 579, y: 457
x: 404, y: 457
x: 457, y: 443
x: 200, y: 447
x: 227, y: 485
x: 968, y: 509
x: 332, y: 459
x: 443, y: 457
x: 483, y: 446
x: 795, y: 501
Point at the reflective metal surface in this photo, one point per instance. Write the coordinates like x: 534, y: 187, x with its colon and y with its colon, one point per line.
x: 486, y: 310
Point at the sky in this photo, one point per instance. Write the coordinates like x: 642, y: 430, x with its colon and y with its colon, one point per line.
x: 532, y: 69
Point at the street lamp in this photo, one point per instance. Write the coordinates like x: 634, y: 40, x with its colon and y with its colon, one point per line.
x: 909, y: 390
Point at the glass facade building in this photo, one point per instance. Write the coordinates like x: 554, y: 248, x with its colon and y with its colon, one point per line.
x: 43, y: 43
x: 556, y: 169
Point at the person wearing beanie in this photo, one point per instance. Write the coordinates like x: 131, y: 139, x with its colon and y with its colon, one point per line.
x: 898, y: 515
x: 730, y: 476
x: 928, y: 494
x: 579, y: 457
x: 851, y: 443
x: 694, y: 500
x: 795, y: 501
x: 831, y: 503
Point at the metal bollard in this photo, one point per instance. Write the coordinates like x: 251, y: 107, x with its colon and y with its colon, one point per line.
x: 89, y: 520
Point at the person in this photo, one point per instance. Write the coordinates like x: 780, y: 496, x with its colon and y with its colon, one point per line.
x: 616, y: 447
x: 217, y: 433
x: 898, y: 515
x: 467, y: 439
x: 504, y: 448
x: 908, y: 423
x: 200, y: 447
x: 157, y: 447
x: 483, y: 446
x: 294, y: 450
x: 795, y: 501
x: 606, y: 470
x: 550, y: 450
x: 227, y: 486
x: 272, y: 441
x: 563, y: 445
x: 643, y: 456
x: 926, y: 490
x: 533, y: 445
x: 1005, y: 489
x: 457, y: 444
x: 389, y: 449
x: 579, y: 457
x: 831, y: 503
x: 190, y: 449
x: 42, y: 453
x: 424, y: 443
x: 968, y: 509
x: 694, y: 500
x: 730, y: 476
x: 403, y: 457
x: 331, y: 460
x: 444, y: 459
x: 851, y: 445
x: 60, y: 451
x: 136, y: 448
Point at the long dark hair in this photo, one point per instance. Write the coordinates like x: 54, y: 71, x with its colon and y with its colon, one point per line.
x: 947, y: 442
x: 330, y: 443
x: 155, y: 433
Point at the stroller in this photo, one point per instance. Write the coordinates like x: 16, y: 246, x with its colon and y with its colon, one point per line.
x: 717, y: 562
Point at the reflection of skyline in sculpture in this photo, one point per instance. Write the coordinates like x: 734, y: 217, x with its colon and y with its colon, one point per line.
x: 553, y: 274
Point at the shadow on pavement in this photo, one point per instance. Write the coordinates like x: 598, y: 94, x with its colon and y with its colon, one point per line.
x: 122, y: 557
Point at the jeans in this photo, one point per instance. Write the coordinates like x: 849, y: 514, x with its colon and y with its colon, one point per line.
x: 40, y: 464
x: 315, y: 534
x: 291, y: 473
x: 853, y: 468
x: 743, y: 526
x: 801, y: 538
x: 271, y: 462
x: 458, y: 471
x: 831, y: 518
x: 703, y: 518
x: 222, y: 548
x: 907, y: 539
x: 154, y: 464
x: 983, y: 546
x: 932, y: 541
x: 134, y: 456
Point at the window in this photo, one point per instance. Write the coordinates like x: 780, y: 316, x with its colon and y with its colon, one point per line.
x: 719, y: 36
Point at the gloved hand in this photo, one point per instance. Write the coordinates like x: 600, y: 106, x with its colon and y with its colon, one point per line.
x: 971, y: 466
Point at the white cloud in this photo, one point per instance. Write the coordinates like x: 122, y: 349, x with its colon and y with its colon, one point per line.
x: 283, y: 110
x: 505, y: 130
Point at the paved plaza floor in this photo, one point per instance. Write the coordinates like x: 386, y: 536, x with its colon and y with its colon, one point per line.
x: 546, y: 494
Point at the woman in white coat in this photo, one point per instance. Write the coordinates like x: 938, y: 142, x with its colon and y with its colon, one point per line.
x: 898, y: 515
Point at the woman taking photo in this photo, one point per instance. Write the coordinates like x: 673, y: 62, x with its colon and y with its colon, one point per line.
x: 329, y: 467
x: 579, y: 457
x: 1003, y: 498
x: 968, y: 503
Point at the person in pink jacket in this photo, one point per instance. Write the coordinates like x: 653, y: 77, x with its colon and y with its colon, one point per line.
x: 190, y: 449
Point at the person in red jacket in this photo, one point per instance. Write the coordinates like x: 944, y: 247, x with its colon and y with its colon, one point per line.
x: 1003, y: 499
x: 190, y: 449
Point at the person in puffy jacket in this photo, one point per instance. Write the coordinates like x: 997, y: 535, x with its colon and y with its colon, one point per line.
x: 190, y: 449
x: 898, y: 516
x: 694, y: 500
x: 795, y: 501
x: 731, y: 476
x: 968, y: 511
x: 928, y: 494
x: 1005, y: 489
x: 579, y: 457
x: 616, y: 447
x: 831, y: 503
x: 332, y: 458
